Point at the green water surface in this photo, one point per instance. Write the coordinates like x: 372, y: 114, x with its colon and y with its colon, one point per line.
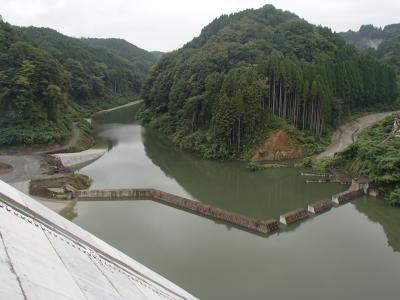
x: 351, y: 252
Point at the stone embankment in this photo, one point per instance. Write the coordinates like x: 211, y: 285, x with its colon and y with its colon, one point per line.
x: 260, y: 226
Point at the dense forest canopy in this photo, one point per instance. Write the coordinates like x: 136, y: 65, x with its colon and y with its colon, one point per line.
x: 389, y: 52
x: 98, y: 68
x: 219, y: 92
x: 33, y: 92
x: 383, y: 44
x: 46, y: 77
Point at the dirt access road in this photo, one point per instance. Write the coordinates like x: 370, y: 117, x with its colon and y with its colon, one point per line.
x: 30, y: 166
x: 29, y: 163
x: 346, y: 134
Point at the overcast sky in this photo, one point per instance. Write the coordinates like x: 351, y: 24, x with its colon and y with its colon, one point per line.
x: 168, y: 24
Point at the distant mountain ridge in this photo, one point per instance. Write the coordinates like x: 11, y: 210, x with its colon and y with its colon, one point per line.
x: 385, y: 41
x: 139, y: 57
x: 370, y: 36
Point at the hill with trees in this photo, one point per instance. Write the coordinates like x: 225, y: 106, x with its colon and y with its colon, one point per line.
x: 389, y: 53
x: 99, y: 69
x: 34, y: 101
x: 48, y: 80
x: 223, y: 90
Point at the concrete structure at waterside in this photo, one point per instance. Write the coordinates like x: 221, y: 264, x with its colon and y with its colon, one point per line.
x: 320, y: 206
x: 44, y: 256
x: 347, y: 196
x: 78, y: 159
x: 260, y: 226
x: 293, y: 216
x: 360, y: 183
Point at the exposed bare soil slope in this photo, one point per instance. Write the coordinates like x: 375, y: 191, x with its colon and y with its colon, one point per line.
x: 279, y: 145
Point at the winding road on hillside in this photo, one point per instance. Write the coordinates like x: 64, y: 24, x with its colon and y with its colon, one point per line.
x: 346, y: 134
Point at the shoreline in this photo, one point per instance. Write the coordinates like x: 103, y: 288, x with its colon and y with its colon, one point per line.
x: 35, y: 162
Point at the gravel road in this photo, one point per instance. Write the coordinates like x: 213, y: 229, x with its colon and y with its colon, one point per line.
x: 346, y: 134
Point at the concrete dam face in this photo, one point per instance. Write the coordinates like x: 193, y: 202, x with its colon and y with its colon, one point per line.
x: 44, y: 256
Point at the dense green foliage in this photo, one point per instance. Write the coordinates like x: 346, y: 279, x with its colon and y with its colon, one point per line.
x: 33, y: 92
x: 369, y: 36
x: 48, y: 80
x: 389, y: 52
x: 97, y: 68
x: 376, y: 154
x: 216, y: 95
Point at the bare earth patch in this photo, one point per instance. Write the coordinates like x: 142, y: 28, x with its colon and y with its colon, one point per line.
x: 278, y: 146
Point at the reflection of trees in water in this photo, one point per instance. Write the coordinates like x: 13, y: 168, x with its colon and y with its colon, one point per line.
x: 121, y: 116
x: 389, y: 217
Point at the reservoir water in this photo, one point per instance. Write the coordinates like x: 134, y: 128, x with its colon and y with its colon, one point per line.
x: 351, y: 252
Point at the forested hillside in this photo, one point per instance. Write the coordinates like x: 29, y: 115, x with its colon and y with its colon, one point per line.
x: 383, y: 44
x: 217, y: 94
x: 389, y: 53
x: 370, y: 36
x: 47, y: 80
x: 34, y: 99
x: 99, y: 69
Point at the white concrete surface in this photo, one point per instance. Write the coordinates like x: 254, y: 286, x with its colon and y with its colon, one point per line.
x: 44, y: 256
x: 73, y: 160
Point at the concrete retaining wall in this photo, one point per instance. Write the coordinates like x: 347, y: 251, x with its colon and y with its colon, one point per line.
x: 347, y: 196
x: 294, y: 216
x: 320, y: 206
x: 261, y: 226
